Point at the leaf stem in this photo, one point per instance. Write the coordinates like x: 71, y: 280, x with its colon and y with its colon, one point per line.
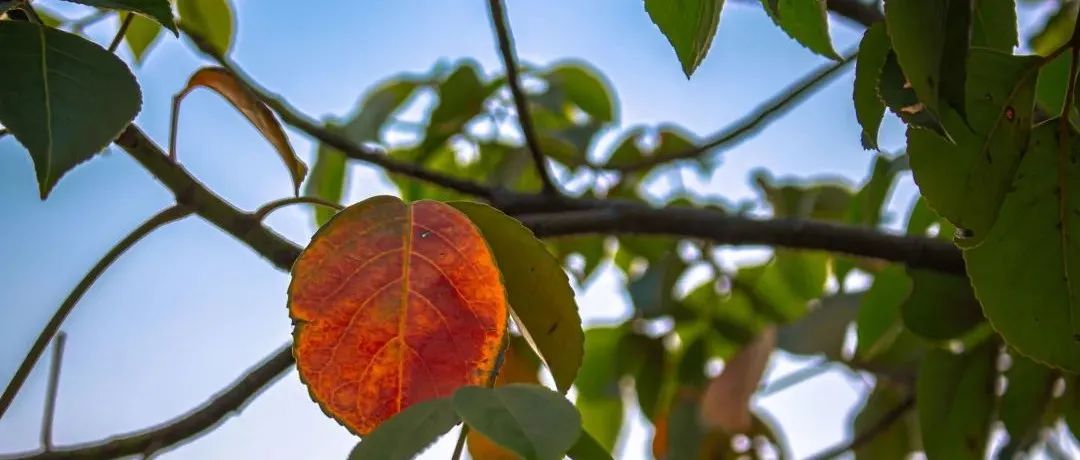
x: 121, y: 31
x: 272, y: 206
x: 459, y: 447
x: 50, y: 398
x: 506, y: 50
x: 157, y: 221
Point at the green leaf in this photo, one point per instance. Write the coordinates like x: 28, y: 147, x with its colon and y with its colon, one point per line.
x: 941, y: 306
x: 807, y: 21
x: 649, y: 374
x: 64, y: 98
x: 878, y: 323
x: 409, y: 432
x: 585, y: 88
x: 897, y: 441
x: 869, y: 109
x: 587, y: 448
x: 793, y: 199
x: 158, y: 10
x: 1057, y: 30
x: 823, y: 329
x: 902, y: 101
x: 1053, y: 80
x: 590, y: 248
x: 867, y: 204
x: 689, y: 26
x: 918, y: 32
x: 966, y: 182
x: 599, y: 376
x: 1070, y: 405
x: 1022, y: 272
x: 601, y: 418
x: 955, y: 398
x: 327, y: 181
x: 531, y: 420
x: 461, y: 98
x: 652, y: 292
x: 994, y: 25
x: 954, y: 54
x: 537, y: 288
x: 670, y: 141
x: 211, y: 20
x: 1026, y: 399
x: 141, y: 36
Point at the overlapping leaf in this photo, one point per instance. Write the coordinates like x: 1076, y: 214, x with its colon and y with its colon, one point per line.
x: 955, y: 398
x: 689, y: 26
x: 534, y: 422
x: 1026, y: 270
x: 159, y: 10
x: 394, y: 304
x: 209, y: 20
x: 869, y: 109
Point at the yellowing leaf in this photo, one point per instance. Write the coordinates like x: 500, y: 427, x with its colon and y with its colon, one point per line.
x: 394, y: 304
x: 224, y: 83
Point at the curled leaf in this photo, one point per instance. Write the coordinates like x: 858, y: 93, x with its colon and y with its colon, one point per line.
x: 394, y: 304
x: 228, y: 86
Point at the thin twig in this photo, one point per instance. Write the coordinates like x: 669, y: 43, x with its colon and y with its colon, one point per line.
x: 459, y: 447
x: 795, y: 378
x: 184, y: 427
x: 752, y: 122
x: 79, y: 25
x: 121, y: 31
x: 315, y: 129
x: 272, y: 206
x: 168, y: 215
x: 506, y: 50
x: 872, y: 432
x: 50, y: 396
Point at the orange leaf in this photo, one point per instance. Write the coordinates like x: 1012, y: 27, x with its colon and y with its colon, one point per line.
x: 225, y: 84
x: 394, y: 304
x: 726, y: 404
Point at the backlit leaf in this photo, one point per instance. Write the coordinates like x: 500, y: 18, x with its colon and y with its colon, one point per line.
x: 869, y: 109
x: 461, y: 97
x: 879, y: 322
x: 394, y: 304
x: 159, y: 10
x: 994, y: 25
x: 1026, y: 399
x: 585, y: 88
x: 63, y: 97
x: 410, y: 432
x: 941, y: 306
x: 917, y: 29
x: 1024, y: 272
x: 141, y: 36
x: 807, y: 21
x: 533, y: 421
x: 1057, y: 30
x: 211, y: 20
x: 599, y: 399
x: 327, y: 181
x: 896, y: 442
x: 224, y: 83
x: 955, y: 400
x: 897, y: 94
x: 586, y: 448
x: 967, y: 180
x: 541, y: 300
x: 689, y: 26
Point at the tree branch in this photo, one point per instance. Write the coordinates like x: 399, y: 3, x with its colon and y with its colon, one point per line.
x: 51, y: 391
x: 752, y: 122
x: 313, y: 128
x: 182, y: 428
x: 872, y: 432
x: 168, y: 215
x: 506, y: 51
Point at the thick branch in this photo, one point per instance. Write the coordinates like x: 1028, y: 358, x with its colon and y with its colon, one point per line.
x: 184, y: 427
x: 752, y: 122
x: 506, y: 51
x: 721, y: 228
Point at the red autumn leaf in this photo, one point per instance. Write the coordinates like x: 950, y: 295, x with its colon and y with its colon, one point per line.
x: 394, y: 304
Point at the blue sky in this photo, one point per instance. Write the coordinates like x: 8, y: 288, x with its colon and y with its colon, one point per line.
x: 185, y: 311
